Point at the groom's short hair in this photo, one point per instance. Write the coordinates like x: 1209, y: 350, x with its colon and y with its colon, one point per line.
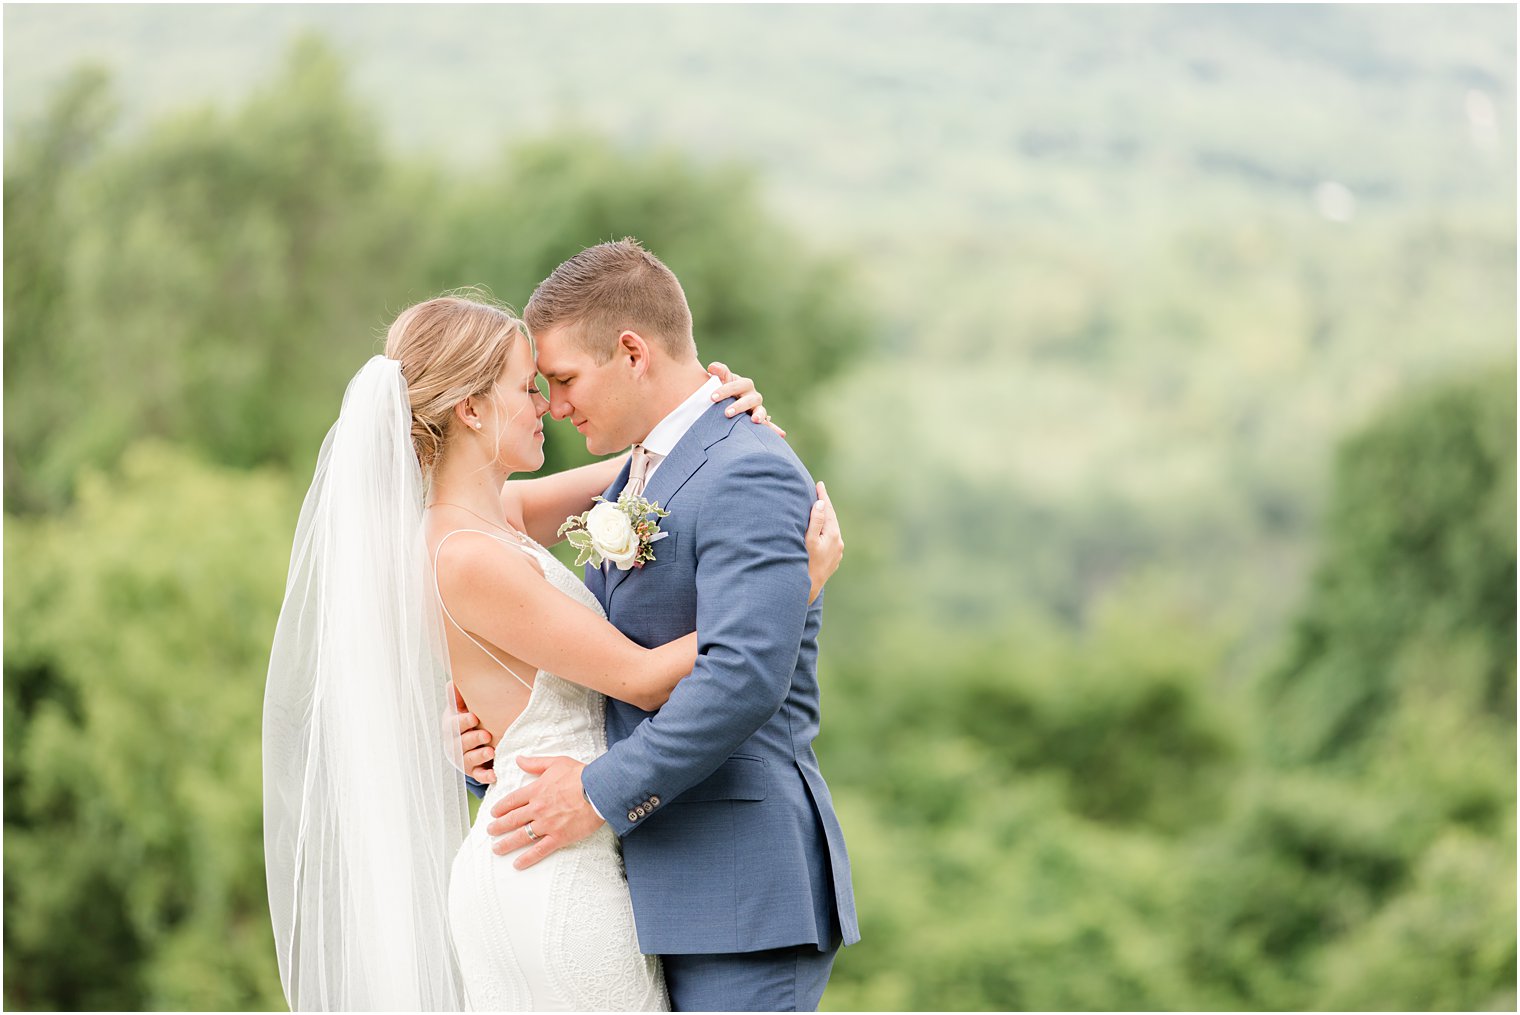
x: 608, y: 288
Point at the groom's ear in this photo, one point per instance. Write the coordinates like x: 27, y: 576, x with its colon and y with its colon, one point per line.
x: 634, y: 351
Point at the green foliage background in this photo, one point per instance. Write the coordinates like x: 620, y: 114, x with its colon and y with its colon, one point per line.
x: 1173, y: 663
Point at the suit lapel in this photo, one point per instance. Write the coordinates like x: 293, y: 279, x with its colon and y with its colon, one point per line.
x: 681, y: 464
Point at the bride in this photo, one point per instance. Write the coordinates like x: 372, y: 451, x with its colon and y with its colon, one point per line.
x: 418, y: 559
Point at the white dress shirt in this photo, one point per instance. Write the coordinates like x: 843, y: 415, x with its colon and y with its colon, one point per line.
x: 667, y: 433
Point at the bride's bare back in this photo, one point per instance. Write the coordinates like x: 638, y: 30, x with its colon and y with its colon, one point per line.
x: 494, y: 683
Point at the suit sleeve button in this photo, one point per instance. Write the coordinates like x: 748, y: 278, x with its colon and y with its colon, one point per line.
x: 654, y: 801
x: 633, y: 816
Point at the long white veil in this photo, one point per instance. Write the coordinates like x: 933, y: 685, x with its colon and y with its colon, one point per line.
x: 364, y: 802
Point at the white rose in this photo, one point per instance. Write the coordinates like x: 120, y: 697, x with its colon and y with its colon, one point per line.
x: 612, y: 534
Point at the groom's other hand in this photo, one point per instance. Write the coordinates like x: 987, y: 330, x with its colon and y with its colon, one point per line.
x: 554, y: 804
x: 474, y: 742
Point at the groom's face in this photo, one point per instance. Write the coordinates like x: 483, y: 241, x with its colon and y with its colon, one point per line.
x: 598, y: 398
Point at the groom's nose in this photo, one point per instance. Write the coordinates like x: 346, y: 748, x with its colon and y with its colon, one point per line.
x: 559, y: 408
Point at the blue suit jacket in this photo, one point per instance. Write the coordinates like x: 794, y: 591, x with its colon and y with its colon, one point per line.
x: 729, y: 833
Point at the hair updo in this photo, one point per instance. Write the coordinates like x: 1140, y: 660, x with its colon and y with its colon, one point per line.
x: 450, y: 348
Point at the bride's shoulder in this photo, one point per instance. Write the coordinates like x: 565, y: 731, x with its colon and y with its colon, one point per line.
x: 470, y: 559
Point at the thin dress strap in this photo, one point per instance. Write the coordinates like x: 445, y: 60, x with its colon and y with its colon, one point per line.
x: 439, y: 593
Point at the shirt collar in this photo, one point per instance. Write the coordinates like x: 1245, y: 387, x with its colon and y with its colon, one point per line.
x: 668, y: 432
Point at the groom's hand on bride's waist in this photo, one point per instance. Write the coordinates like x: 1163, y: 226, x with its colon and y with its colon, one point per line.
x: 550, y: 812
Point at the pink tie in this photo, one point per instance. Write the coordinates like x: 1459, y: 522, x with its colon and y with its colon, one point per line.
x: 638, y: 468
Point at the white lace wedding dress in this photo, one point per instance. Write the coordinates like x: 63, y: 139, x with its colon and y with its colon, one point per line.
x: 558, y: 936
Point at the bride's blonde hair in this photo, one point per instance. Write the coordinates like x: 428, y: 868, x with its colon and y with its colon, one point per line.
x: 451, y: 348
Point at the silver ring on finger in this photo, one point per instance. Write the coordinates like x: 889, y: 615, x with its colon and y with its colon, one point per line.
x: 529, y: 829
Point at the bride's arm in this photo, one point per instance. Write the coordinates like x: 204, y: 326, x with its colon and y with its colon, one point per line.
x: 495, y: 592
x: 543, y: 503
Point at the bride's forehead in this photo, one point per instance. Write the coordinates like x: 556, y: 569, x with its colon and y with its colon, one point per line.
x: 519, y: 358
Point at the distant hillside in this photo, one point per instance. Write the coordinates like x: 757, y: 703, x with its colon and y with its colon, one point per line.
x: 950, y: 112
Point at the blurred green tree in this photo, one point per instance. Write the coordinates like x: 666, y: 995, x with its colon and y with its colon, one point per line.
x: 1132, y: 834
x: 1419, y: 551
x: 40, y: 228
x: 1386, y: 786
x: 217, y: 280
x: 1446, y: 943
x: 1015, y: 804
x: 137, y: 634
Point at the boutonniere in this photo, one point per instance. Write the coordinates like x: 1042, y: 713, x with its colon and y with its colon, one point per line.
x: 624, y: 533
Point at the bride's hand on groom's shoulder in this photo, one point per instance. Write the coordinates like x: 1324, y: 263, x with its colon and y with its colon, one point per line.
x: 743, y: 389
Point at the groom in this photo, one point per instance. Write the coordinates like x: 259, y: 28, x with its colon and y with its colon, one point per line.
x: 736, y: 862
